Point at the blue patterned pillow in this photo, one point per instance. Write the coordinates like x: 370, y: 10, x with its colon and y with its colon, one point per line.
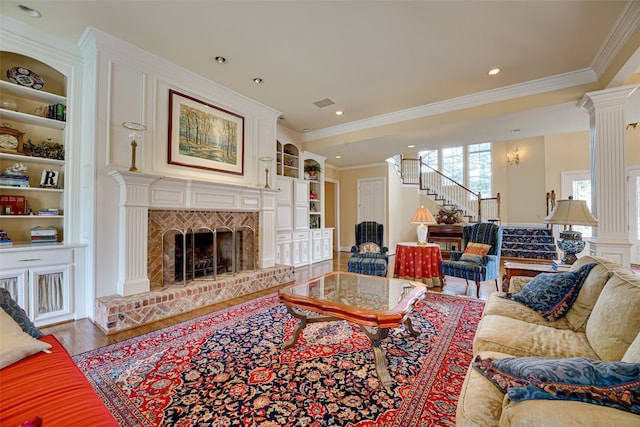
x: 18, y: 314
x: 615, y: 384
x: 553, y: 294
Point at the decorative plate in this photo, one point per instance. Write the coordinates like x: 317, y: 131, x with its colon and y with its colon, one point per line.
x: 25, y: 77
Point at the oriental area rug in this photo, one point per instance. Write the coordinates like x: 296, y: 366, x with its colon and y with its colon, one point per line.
x: 228, y: 368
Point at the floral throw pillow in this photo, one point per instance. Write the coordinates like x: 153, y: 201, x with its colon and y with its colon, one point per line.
x: 369, y: 248
x: 553, y: 294
x: 18, y: 314
x: 475, y: 252
x: 615, y: 384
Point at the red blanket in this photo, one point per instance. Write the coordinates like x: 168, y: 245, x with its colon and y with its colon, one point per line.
x: 50, y: 386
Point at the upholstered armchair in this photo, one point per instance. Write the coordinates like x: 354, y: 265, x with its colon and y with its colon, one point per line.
x: 479, y: 259
x: 368, y: 255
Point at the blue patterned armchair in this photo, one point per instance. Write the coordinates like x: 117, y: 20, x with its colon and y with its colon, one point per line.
x: 476, y: 268
x: 368, y: 255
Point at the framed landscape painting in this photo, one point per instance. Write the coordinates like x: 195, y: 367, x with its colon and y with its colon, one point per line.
x: 204, y: 136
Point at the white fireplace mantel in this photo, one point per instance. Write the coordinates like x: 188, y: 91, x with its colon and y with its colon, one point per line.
x: 140, y: 192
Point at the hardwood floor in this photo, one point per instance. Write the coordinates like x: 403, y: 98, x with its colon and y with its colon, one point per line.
x: 82, y: 335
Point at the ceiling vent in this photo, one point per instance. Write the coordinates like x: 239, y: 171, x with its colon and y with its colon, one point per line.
x: 323, y: 103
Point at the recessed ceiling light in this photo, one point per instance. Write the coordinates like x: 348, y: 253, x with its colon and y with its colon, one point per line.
x: 411, y: 146
x: 339, y: 113
x: 257, y: 80
x: 494, y: 71
x: 338, y: 157
x: 221, y: 59
x: 29, y: 11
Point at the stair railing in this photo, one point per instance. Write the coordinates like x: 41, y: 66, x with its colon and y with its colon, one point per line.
x: 551, y: 203
x: 448, y: 191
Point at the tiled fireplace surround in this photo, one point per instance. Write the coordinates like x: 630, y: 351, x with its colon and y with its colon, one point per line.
x: 151, y: 204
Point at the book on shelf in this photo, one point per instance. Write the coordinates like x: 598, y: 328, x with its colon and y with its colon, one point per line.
x: 13, y: 205
x: 5, y: 240
x: 14, y: 181
x: 39, y: 231
x: 56, y: 112
x: 49, y: 212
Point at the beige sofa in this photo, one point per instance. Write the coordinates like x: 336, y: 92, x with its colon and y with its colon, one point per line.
x: 602, y: 324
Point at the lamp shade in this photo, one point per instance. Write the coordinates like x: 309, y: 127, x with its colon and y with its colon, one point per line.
x: 571, y: 212
x: 422, y: 216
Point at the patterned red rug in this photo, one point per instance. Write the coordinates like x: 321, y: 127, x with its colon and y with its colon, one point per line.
x: 228, y: 369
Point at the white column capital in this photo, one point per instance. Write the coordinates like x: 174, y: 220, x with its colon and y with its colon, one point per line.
x: 607, y: 98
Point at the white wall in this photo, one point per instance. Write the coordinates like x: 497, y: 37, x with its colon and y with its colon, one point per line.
x: 128, y: 84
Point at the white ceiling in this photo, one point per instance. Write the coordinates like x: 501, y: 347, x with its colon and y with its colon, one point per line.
x: 374, y: 59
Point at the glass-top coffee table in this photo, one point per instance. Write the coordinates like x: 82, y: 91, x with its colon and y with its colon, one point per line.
x: 376, y: 304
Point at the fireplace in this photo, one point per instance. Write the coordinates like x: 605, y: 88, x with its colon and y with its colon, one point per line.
x: 150, y: 206
x: 206, y: 253
x: 186, y: 246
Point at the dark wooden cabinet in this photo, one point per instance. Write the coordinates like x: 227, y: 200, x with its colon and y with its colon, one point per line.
x: 449, y: 237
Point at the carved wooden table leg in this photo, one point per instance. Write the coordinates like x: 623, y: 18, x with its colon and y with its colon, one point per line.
x: 304, y: 319
x: 379, y: 355
x: 299, y: 327
x: 409, y: 326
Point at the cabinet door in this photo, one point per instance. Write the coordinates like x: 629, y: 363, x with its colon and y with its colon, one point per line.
x: 278, y: 253
x: 15, y: 281
x: 304, y: 251
x: 301, y: 218
x: 50, y: 294
x: 295, y: 253
x: 286, y: 253
x: 301, y: 192
x: 316, y: 251
x: 326, y: 248
x: 285, y: 193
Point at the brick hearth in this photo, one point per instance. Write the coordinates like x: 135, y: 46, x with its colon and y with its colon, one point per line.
x: 118, y: 313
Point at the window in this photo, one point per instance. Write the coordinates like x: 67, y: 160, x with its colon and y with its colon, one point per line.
x: 477, y: 176
x: 430, y: 158
x: 578, y: 185
x: 453, y: 163
x: 479, y: 169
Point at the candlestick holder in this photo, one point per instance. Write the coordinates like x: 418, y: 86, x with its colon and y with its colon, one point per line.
x: 135, y: 133
x: 267, y: 161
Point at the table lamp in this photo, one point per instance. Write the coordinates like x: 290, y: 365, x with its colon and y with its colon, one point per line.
x: 571, y: 212
x: 422, y: 217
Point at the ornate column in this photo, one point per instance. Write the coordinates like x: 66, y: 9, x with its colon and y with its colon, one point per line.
x: 609, y: 197
x: 133, y: 231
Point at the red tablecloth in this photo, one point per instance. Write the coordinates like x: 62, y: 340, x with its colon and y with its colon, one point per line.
x: 419, y: 263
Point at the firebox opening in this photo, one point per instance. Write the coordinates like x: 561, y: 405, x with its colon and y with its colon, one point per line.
x: 206, y: 253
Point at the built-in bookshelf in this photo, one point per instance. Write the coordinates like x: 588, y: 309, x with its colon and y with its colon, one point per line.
x: 287, y: 160
x: 32, y: 172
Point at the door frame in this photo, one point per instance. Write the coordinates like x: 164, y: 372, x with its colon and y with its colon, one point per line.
x: 336, y: 213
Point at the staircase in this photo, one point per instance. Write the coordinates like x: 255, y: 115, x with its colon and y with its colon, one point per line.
x: 447, y: 192
x: 529, y: 243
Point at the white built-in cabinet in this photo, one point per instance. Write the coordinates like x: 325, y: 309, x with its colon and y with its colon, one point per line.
x: 41, y: 276
x: 300, y: 238
x: 41, y: 282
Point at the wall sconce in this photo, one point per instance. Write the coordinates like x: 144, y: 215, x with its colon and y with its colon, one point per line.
x: 514, y: 157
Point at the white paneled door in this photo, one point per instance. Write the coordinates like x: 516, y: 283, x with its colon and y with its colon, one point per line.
x: 372, y: 196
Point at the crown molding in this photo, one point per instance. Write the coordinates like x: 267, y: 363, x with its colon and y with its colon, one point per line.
x: 546, y: 84
x: 626, y: 24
